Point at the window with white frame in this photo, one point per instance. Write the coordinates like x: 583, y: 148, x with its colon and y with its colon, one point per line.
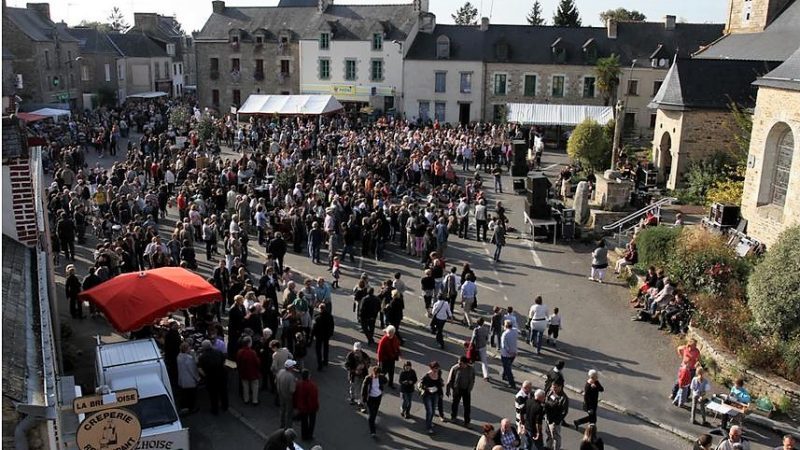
x: 500, y: 83
x: 107, y: 69
x: 377, y: 41
x: 376, y: 70
x: 324, y: 69
x: 466, y: 83
x: 324, y: 41
x: 440, y: 82
x: 85, y: 73
x: 439, y: 111
x: 350, y: 69
x: 171, y: 49
x: 588, y: 87
x: 558, y: 86
x: 633, y: 87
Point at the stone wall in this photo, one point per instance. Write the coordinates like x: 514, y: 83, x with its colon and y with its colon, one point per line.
x: 762, y: 12
x: 759, y: 384
x: 775, y: 110
x: 612, y: 195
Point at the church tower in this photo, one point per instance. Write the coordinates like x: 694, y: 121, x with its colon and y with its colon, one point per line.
x: 752, y: 16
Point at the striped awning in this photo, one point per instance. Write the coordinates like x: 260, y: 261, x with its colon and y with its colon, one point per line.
x: 550, y: 114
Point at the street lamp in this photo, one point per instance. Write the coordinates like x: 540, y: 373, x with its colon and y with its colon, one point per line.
x: 402, y: 77
x: 619, y: 112
x: 69, y: 72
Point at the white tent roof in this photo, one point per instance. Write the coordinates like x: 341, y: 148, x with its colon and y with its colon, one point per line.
x: 290, y: 104
x: 549, y: 114
x: 51, y: 112
x: 152, y: 94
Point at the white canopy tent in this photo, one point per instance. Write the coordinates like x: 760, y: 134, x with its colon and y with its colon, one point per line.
x: 549, y: 114
x: 290, y: 105
x: 151, y: 94
x: 51, y: 112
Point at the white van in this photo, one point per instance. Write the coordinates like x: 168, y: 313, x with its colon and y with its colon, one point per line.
x: 139, y: 365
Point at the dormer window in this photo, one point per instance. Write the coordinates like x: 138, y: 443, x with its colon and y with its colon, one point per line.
x: 259, y: 39
x: 590, y: 51
x: 324, y: 41
x: 501, y: 51
x: 558, y: 51
x: 377, y: 41
x: 234, y: 37
x: 442, y: 47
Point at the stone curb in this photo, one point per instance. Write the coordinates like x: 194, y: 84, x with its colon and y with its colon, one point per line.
x: 246, y: 422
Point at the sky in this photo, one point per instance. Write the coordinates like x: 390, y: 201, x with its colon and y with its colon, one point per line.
x: 192, y: 14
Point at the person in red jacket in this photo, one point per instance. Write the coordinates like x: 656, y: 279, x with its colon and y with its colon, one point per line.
x: 389, y: 353
x: 306, y: 402
x: 249, y: 367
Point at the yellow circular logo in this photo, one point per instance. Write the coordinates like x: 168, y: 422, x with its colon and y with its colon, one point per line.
x: 109, y: 429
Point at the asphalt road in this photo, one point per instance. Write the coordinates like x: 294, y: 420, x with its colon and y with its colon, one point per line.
x: 636, y: 364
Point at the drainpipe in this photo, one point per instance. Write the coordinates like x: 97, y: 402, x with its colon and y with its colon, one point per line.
x: 21, y: 432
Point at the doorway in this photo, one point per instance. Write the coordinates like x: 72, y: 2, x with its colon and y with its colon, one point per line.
x: 665, y: 158
x: 463, y: 113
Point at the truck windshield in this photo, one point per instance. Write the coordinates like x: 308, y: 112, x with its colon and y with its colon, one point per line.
x: 155, y: 411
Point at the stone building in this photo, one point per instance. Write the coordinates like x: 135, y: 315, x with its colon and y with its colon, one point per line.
x: 771, y: 198
x: 143, y: 66
x: 693, y: 111
x: 44, y: 55
x: 98, y: 66
x: 167, y: 33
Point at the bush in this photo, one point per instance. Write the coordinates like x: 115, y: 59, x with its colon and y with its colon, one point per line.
x: 723, y: 317
x: 589, y: 144
x: 774, y: 287
x: 656, y: 244
x: 708, y: 175
x: 703, y: 262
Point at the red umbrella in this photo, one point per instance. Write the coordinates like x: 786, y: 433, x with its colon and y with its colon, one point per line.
x: 133, y: 300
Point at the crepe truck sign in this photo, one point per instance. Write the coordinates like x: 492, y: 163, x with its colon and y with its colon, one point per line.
x: 109, y: 429
x: 92, y: 403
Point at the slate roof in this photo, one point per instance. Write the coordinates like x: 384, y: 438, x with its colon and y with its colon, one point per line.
x: 167, y: 29
x: 297, y: 3
x: 16, y: 301
x: 93, y: 41
x: 785, y: 76
x: 137, y: 45
x: 35, y: 26
x: 349, y: 22
x: 532, y: 44
x: 776, y: 43
x: 710, y: 84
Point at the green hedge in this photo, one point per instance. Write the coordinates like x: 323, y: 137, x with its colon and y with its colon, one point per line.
x: 656, y: 244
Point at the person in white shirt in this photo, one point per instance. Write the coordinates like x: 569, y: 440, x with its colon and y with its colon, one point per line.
x: 469, y: 292
x: 553, y: 327
x: 481, y: 220
x: 511, y: 317
x: 538, y: 323
x: 441, y: 313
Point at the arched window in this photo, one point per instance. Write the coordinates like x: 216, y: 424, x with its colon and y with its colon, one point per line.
x: 442, y: 47
x: 783, y: 164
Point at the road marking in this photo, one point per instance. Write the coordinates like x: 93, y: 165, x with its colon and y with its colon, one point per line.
x: 536, y: 260
x: 417, y: 263
x: 550, y: 167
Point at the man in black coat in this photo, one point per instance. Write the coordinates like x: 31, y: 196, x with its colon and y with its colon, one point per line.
x: 211, y: 364
x: 591, y: 395
x: 89, y: 282
x: 236, y: 317
x: 370, y: 307
x: 65, y: 228
x: 322, y: 330
x: 277, y: 246
x: 556, y: 408
x: 534, y: 418
x: 556, y: 374
x: 281, y: 439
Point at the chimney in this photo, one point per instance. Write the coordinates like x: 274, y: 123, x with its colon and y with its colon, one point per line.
x: 218, y: 6
x: 669, y: 22
x: 484, y: 23
x: 145, y: 21
x: 323, y: 5
x: 611, y: 28
x: 421, y: 5
x: 43, y: 9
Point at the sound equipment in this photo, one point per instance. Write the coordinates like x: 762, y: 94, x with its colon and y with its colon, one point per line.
x: 650, y: 177
x: 519, y: 166
x: 724, y: 215
x: 538, y: 187
x: 519, y: 185
x: 538, y: 210
x: 537, y: 182
x: 568, y: 224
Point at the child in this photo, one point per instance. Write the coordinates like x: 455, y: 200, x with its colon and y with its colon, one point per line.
x: 684, y: 381
x: 554, y: 324
x: 408, y: 380
x: 336, y: 271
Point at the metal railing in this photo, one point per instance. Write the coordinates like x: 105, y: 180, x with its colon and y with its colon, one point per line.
x: 634, y: 217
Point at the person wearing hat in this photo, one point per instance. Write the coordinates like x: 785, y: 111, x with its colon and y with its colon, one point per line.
x: 286, y: 384
x: 72, y: 286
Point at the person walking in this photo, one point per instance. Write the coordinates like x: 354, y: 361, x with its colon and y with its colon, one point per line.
x: 480, y: 342
x: 306, y: 403
x: 508, y: 351
x: 286, y: 384
x: 599, y: 262
x: 591, y: 396
x: 249, y: 367
x: 368, y: 313
x: 72, y: 286
x: 322, y: 331
x: 441, y: 314
x: 460, y: 382
x: 211, y: 365
x: 496, y: 327
x: 481, y: 222
x: 188, y: 377
x: 734, y: 441
x: 357, y: 364
x: 556, y: 408
x: 555, y: 375
x: 591, y: 439
x: 430, y: 387
x: 534, y: 418
x: 498, y: 238
x: 388, y: 353
x: 372, y: 393
x: 704, y: 442
x: 537, y: 317
x: 408, y: 382
x: 699, y: 390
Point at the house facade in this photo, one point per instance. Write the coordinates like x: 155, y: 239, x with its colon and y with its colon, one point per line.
x: 143, y: 67
x: 44, y: 57
x: 167, y: 34
x: 98, y: 67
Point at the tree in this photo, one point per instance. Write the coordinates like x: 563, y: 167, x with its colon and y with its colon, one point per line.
x: 99, y: 26
x: 116, y: 20
x: 589, y: 144
x: 622, y: 15
x: 466, y: 15
x: 535, y: 16
x: 608, y: 72
x: 567, y: 14
x: 740, y: 127
x: 773, y: 289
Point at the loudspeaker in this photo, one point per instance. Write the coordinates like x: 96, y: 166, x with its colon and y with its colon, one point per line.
x: 568, y: 224
x: 519, y: 166
x: 519, y: 185
x: 537, y: 209
x: 538, y: 184
x: 724, y: 215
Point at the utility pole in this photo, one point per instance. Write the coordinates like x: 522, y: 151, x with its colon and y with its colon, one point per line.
x: 618, y: 119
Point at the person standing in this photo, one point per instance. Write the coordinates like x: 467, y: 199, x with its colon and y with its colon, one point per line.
x: 322, y: 331
x: 431, y: 391
x: 286, y: 384
x: 441, y: 313
x: 507, y: 436
x: 496, y: 327
x: 462, y: 213
x: 556, y: 408
x: 538, y: 323
x: 371, y: 394
x: 591, y: 438
x: 704, y: 442
x: 480, y: 341
x: 65, y: 229
x: 555, y: 375
x: 699, y: 389
x: 460, y: 382
x: 249, y: 367
x: 534, y: 418
x: 306, y: 403
x: 408, y: 381
x: 481, y: 220
x: 498, y: 239
x: 357, y: 364
x: 211, y: 365
x: 370, y: 307
x: 591, y: 396
x: 508, y: 351
x: 520, y: 400
x: 599, y: 262
x: 388, y: 353
x: 236, y: 316
x: 72, y: 286
x: 734, y: 441
x: 188, y: 376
